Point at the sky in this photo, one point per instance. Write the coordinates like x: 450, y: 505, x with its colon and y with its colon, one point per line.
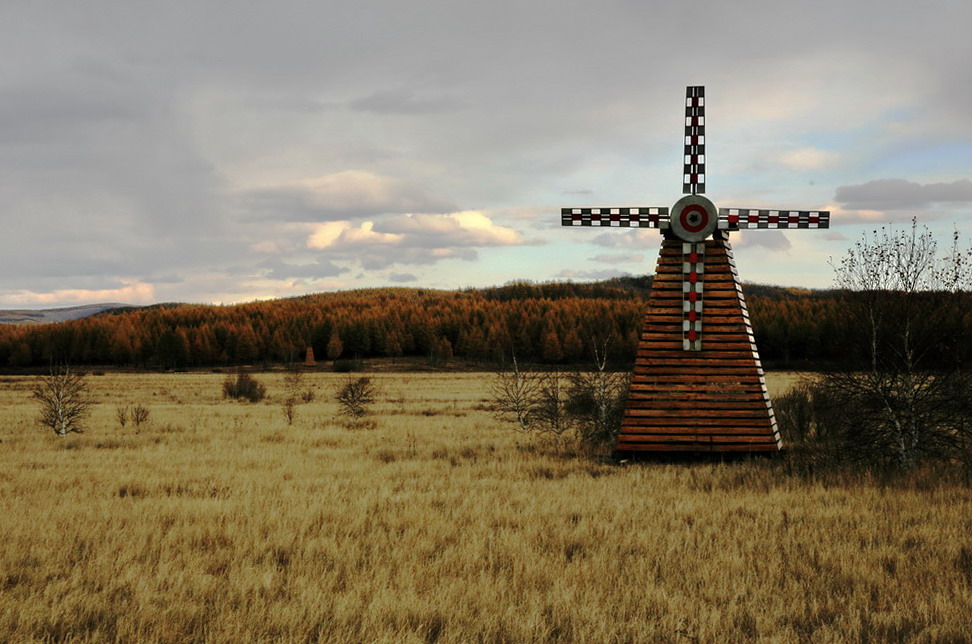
x: 219, y: 151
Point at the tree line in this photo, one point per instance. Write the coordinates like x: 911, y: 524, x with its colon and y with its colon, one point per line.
x: 553, y: 323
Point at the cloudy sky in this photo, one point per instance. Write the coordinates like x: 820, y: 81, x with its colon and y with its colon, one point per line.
x: 221, y: 151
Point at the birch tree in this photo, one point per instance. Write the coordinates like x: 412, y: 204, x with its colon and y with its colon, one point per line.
x: 64, y: 400
x: 905, y: 392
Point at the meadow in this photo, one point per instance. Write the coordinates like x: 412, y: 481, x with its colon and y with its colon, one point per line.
x: 216, y: 521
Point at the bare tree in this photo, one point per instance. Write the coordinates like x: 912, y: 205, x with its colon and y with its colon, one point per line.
x: 64, y: 400
x: 355, y: 396
x: 514, y: 394
x: 904, y: 392
x: 295, y: 392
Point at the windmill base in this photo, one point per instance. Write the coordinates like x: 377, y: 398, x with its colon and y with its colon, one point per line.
x: 709, y: 401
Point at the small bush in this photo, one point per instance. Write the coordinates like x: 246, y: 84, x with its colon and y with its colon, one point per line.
x: 140, y: 414
x: 814, y: 428
x: 583, y: 406
x: 244, y: 387
x: 355, y: 396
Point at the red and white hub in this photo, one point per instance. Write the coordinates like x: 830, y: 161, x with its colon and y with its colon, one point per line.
x: 694, y: 218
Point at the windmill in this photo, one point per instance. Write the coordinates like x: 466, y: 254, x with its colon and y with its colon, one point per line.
x: 697, y: 384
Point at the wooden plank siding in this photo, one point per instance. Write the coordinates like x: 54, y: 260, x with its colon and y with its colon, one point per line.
x: 713, y: 400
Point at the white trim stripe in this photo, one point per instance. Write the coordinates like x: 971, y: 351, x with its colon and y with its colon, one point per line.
x: 693, y: 269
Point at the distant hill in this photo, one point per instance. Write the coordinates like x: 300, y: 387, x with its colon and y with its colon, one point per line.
x: 550, y: 323
x: 46, y: 316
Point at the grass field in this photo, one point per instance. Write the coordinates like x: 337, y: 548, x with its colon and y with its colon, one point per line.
x: 218, y: 522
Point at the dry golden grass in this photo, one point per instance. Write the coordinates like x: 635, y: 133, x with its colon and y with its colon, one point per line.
x: 216, y: 522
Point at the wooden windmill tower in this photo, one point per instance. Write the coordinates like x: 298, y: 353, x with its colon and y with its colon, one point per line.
x: 698, y: 385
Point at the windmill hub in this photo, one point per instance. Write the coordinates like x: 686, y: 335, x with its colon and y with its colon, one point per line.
x: 694, y: 218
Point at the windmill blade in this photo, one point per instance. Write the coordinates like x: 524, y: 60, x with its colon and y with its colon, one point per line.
x: 626, y: 217
x: 693, y: 168
x: 740, y: 218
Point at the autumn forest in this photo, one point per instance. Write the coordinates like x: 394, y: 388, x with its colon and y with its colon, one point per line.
x: 552, y: 323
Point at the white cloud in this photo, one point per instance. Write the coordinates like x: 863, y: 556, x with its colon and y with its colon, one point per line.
x: 808, y: 159
x: 345, y: 235
x: 465, y: 228
x: 130, y: 293
x: 411, y: 238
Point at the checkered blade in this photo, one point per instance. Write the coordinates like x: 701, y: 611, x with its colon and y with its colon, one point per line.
x: 619, y: 217
x: 739, y: 218
x: 693, y: 169
x: 693, y: 268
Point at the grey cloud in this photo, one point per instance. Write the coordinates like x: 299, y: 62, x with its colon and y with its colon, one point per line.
x: 640, y: 239
x: 771, y: 240
x: 401, y: 278
x: 404, y: 101
x: 595, y: 275
x: 619, y: 258
x: 340, y: 196
x: 376, y: 259
x: 281, y: 270
x: 901, y: 194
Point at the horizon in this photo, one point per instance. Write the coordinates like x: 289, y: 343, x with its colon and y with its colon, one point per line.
x: 165, y: 154
x: 386, y: 286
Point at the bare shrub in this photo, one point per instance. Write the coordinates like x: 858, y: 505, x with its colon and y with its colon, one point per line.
x: 140, y: 415
x: 290, y: 410
x: 296, y: 394
x: 584, y: 406
x: 64, y: 399
x: 244, y: 387
x: 596, y: 401
x: 813, y: 424
x: 514, y: 395
x: 355, y: 396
